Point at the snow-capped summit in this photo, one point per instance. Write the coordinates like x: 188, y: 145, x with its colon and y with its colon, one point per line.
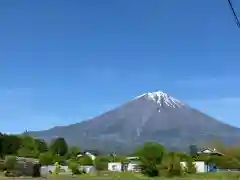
x: 153, y: 116
x: 162, y: 98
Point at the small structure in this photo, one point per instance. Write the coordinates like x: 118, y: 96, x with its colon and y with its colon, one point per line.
x: 132, y: 158
x: 131, y: 164
x: 210, y: 152
x: 209, y: 167
x: 201, y: 167
x: 115, y: 166
x: 92, y: 152
x: 133, y: 167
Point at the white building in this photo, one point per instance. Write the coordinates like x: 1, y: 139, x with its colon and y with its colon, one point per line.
x: 132, y: 165
x: 201, y: 167
x: 115, y: 166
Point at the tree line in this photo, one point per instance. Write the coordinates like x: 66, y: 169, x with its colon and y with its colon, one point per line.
x: 48, y: 153
x: 154, y: 159
x: 27, y: 146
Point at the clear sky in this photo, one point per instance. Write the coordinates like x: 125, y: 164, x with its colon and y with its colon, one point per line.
x: 65, y: 61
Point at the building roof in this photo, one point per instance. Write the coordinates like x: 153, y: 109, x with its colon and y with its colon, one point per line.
x: 209, y: 151
x: 93, y: 152
x: 132, y: 158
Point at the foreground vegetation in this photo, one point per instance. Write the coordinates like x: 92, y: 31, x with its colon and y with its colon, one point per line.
x: 134, y: 176
x: 154, y: 160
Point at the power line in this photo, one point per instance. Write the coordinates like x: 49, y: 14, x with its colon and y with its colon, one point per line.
x: 234, y: 13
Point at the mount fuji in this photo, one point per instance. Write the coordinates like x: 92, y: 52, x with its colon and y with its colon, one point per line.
x: 152, y: 116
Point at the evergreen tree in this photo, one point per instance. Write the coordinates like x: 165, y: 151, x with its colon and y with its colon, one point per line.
x: 151, y: 155
x: 59, y: 147
x: 41, y: 145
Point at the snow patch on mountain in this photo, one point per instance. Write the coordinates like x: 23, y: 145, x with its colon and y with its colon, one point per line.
x: 161, y: 99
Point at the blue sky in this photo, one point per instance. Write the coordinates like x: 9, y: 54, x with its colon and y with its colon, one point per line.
x: 65, y: 61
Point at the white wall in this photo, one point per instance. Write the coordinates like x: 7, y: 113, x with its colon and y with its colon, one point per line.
x: 200, y: 166
x: 64, y: 169
x: 116, y: 166
x: 133, y: 167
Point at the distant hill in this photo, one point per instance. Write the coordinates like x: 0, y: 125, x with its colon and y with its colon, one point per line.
x: 153, y: 116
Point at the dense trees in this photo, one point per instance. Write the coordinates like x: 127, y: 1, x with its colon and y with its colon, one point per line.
x: 10, y: 144
x: 151, y: 155
x: 101, y: 163
x: 174, y: 166
x: 41, y: 145
x: 151, y: 152
x: 73, y: 152
x: 59, y: 147
x: 46, y: 158
x: 27, y: 146
x: 85, y: 161
x: 155, y: 160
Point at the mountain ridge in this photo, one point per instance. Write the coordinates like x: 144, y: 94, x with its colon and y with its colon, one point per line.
x: 152, y: 116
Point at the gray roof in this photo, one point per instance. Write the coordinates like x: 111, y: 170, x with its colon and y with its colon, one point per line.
x: 209, y: 151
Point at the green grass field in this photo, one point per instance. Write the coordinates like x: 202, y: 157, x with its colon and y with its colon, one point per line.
x: 135, y: 176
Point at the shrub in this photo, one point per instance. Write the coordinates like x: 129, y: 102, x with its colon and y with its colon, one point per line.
x: 57, y: 169
x: 46, y: 158
x: 174, y: 167
x: 190, y: 167
x: 74, y: 166
x: 163, y: 167
x: 60, y: 159
x: 150, y: 156
x: 225, y: 162
x: 149, y: 168
x: 101, y: 163
x: 85, y: 161
x: 10, y: 162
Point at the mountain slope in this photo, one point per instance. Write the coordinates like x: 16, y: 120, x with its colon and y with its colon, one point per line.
x: 152, y: 116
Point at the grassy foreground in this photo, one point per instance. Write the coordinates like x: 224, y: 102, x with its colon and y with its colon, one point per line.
x: 135, y: 176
